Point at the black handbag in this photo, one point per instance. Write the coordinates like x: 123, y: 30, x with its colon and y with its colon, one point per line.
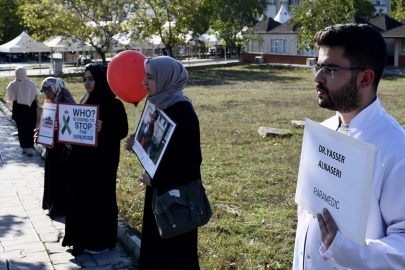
x: 67, y: 155
x: 181, y: 209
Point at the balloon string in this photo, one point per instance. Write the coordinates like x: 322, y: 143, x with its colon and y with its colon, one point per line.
x: 136, y: 124
x: 136, y: 117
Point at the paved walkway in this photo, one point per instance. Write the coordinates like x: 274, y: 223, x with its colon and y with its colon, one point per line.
x: 29, y: 239
x: 33, y: 68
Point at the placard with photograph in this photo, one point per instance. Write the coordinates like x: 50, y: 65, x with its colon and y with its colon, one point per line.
x: 77, y: 124
x: 336, y: 173
x: 47, y: 124
x: 152, y: 137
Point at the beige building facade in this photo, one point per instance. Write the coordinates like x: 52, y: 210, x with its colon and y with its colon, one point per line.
x: 274, y: 6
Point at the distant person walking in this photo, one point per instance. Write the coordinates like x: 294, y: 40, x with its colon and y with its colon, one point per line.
x: 21, y: 94
x: 79, y: 61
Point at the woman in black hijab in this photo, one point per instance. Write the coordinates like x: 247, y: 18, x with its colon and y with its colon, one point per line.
x: 91, y: 221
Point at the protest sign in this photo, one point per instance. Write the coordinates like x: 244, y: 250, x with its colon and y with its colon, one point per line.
x: 77, y: 124
x: 336, y: 173
x: 47, y: 124
x: 152, y: 137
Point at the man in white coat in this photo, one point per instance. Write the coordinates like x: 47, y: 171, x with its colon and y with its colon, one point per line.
x: 350, y: 64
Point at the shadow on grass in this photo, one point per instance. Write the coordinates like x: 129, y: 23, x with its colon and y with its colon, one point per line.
x: 391, y: 77
x: 224, y: 76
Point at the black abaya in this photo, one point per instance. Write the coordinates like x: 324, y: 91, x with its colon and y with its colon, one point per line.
x: 91, y: 220
x: 180, y: 165
x: 57, y: 177
x: 26, y: 118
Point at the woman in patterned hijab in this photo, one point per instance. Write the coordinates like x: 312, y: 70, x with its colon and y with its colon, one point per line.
x: 57, y: 175
x: 55, y: 90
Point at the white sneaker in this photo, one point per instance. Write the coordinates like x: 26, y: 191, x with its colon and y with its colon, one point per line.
x: 24, y: 151
x: 29, y: 152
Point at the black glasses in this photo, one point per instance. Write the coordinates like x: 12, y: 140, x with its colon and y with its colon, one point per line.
x: 328, y: 71
x: 95, y: 65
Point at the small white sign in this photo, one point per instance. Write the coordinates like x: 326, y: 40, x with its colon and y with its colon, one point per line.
x: 174, y: 192
x: 336, y: 173
x: 47, y: 124
x: 77, y: 124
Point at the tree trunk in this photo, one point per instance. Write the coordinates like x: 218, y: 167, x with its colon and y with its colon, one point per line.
x: 102, y: 55
x: 170, y: 48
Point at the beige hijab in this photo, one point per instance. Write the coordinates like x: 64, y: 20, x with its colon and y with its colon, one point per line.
x: 22, y: 89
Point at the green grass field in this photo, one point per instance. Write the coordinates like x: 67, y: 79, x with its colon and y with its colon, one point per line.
x: 250, y: 180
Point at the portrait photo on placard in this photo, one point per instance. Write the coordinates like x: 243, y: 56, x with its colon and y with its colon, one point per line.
x: 152, y: 137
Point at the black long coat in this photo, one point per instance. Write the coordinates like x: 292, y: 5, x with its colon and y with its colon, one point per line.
x: 57, y: 177
x: 56, y: 184
x: 91, y: 220
x: 180, y: 165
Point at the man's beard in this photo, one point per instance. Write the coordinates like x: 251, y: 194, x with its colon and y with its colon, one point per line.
x: 345, y: 99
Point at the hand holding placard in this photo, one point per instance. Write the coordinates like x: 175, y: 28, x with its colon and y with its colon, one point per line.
x: 98, y: 125
x: 129, y: 143
x: 145, y: 178
x: 336, y: 173
x: 328, y: 227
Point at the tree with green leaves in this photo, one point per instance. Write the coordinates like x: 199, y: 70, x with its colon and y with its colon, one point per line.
x: 314, y: 15
x: 398, y: 9
x: 229, y: 17
x: 171, y: 20
x: 364, y: 9
x: 10, y: 20
x: 93, y: 21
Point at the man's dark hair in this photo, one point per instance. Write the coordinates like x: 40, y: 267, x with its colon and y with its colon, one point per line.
x: 363, y: 46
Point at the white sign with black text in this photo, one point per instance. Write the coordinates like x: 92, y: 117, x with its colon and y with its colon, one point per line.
x: 47, y: 124
x: 336, y: 173
x: 77, y: 124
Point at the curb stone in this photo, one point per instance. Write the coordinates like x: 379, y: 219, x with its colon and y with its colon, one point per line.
x: 130, y: 240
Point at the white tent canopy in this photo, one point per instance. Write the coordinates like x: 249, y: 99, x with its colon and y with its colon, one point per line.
x: 127, y: 40
x: 22, y: 44
x: 210, y: 39
x: 283, y: 15
x: 60, y: 44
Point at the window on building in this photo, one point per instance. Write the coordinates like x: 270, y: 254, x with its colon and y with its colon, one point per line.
x: 254, y: 46
x: 306, y: 52
x: 402, y: 46
x: 272, y: 2
x: 278, y: 46
x: 294, y: 2
x: 379, y: 2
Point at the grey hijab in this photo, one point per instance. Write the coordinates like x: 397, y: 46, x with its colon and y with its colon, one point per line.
x: 171, y: 78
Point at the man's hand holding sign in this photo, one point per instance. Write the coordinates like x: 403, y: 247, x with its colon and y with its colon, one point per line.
x: 364, y: 224
x: 330, y: 161
x: 328, y: 227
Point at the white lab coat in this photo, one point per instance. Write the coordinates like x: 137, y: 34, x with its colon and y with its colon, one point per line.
x: 385, y: 237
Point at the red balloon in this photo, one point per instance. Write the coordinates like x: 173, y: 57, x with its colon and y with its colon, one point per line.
x: 125, y: 75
